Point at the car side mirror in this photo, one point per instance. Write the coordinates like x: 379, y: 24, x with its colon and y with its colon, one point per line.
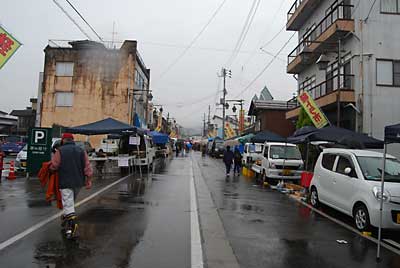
x: 347, y: 171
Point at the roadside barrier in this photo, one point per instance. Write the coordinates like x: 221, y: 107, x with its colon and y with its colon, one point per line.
x: 11, y: 174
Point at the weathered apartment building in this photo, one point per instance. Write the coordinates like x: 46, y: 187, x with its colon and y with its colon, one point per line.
x: 86, y: 82
x: 348, y: 58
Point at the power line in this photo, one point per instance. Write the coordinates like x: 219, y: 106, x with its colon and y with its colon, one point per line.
x: 87, y: 23
x: 246, y: 27
x: 265, y: 32
x: 71, y: 19
x: 274, y: 37
x: 267, y: 66
x: 370, y: 10
x: 172, y: 64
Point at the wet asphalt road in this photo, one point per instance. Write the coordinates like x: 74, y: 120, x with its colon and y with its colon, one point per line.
x: 268, y: 229
x: 145, y: 222
x: 141, y: 222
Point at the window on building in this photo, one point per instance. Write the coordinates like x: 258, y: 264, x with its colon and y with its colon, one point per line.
x: 64, y: 69
x: 390, y: 6
x: 64, y: 99
x: 388, y: 73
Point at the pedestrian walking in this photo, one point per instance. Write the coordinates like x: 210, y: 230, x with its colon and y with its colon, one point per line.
x: 237, y: 160
x: 74, y: 171
x: 228, y: 158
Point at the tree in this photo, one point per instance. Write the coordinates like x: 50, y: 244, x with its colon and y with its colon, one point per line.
x: 312, y: 154
x: 304, y: 119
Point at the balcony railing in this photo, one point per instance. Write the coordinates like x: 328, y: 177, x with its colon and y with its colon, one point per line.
x: 293, y: 8
x: 346, y: 83
x: 343, y: 81
x: 340, y: 12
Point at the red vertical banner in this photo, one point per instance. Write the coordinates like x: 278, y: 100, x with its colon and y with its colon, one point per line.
x: 241, y: 121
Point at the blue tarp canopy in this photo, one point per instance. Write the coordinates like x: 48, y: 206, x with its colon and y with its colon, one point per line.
x: 159, y: 138
x: 105, y: 126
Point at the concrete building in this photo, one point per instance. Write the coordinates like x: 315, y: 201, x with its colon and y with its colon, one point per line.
x: 84, y: 82
x: 270, y: 115
x: 26, y: 118
x: 348, y: 58
x: 8, y: 123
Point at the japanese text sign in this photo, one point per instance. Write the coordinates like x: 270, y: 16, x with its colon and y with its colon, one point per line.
x: 8, y: 46
x: 313, y: 111
x: 39, y: 148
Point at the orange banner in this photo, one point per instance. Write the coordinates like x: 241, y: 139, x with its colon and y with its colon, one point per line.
x: 241, y: 121
x: 316, y: 115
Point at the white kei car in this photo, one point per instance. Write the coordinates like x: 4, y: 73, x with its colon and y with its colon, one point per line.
x: 349, y: 181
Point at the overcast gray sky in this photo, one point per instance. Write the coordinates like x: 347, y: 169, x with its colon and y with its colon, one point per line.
x: 163, y: 29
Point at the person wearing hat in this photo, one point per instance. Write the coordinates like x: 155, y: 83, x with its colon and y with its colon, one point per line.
x: 74, y: 171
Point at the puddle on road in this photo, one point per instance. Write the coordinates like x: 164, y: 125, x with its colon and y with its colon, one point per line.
x: 231, y: 195
x: 32, y: 203
x: 257, y: 221
x: 101, y: 215
x: 60, y: 253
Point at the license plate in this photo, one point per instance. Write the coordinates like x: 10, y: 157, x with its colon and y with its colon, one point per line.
x: 23, y: 164
x: 286, y: 172
x: 398, y: 218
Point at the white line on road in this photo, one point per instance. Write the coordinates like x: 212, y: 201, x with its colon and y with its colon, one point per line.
x: 348, y: 227
x: 38, y: 225
x: 196, y: 246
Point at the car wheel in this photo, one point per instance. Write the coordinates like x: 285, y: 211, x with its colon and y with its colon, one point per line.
x: 314, y: 197
x: 361, y: 218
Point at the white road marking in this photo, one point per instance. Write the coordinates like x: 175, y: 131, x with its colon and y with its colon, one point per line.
x: 35, y: 227
x: 391, y: 242
x: 196, y: 246
x: 348, y: 227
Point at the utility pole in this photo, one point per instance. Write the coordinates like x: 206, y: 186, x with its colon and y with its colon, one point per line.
x: 339, y: 85
x: 225, y: 73
x: 204, y: 125
x: 208, y: 121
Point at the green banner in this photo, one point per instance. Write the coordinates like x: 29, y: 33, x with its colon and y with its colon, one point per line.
x: 8, y: 46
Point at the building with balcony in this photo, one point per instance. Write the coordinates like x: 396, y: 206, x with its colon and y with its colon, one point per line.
x: 348, y: 59
x: 84, y: 81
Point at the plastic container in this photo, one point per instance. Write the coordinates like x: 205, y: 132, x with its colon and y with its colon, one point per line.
x: 306, y: 178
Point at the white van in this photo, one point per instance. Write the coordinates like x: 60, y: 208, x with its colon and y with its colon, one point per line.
x: 279, y: 161
x: 252, y: 152
x: 147, y: 153
x: 109, y: 146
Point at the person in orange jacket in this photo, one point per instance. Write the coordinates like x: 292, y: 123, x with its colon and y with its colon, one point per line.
x: 74, y: 171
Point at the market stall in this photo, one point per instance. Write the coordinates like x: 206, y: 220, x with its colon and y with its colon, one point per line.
x: 108, y: 126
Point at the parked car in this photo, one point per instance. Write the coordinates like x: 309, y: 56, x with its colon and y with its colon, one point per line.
x: 21, y: 159
x: 13, y: 144
x: 279, y: 161
x: 218, y: 148
x: 252, y: 152
x: 349, y: 181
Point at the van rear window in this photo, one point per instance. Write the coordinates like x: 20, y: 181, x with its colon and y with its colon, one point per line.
x: 328, y: 160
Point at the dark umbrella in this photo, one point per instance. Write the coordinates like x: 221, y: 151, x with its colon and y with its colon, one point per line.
x: 337, y: 135
x: 346, y: 137
x: 265, y: 136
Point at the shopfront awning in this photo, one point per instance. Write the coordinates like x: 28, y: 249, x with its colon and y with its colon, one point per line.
x: 105, y: 126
